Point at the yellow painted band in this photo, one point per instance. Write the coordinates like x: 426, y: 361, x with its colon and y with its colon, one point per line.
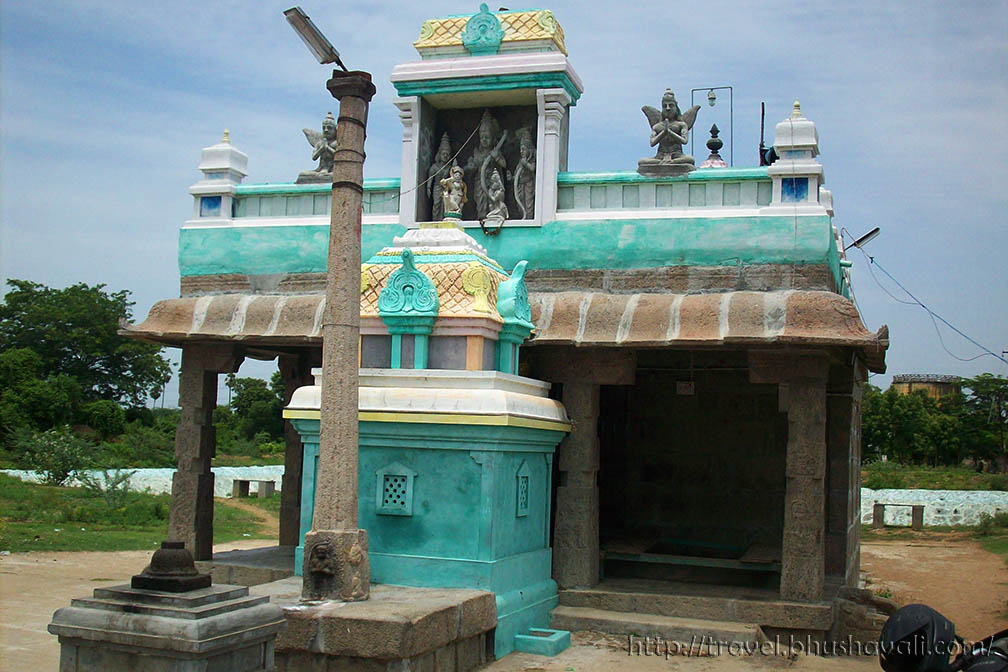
x: 441, y: 419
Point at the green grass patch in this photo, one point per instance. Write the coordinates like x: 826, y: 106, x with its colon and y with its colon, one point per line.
x: 883, y: 475
x: 269, y: 505
x: 49, y: 518
x: 222, y: 460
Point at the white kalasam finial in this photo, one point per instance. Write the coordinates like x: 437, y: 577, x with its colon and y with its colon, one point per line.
x: 227, y: 137
x: 796, y: 112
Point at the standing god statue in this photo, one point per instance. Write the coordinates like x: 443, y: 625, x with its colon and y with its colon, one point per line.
x: 486, y: 157
x: 435, y: 173
x: 669, y: 131
x: 524, y: 174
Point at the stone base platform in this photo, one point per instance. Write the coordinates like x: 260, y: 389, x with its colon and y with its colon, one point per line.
x: 748, y: 607
x: 398, y: 629
x: 250, y: 567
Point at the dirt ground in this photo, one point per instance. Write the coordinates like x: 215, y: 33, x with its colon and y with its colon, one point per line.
x: 955, y: 576
x: 948, y: 572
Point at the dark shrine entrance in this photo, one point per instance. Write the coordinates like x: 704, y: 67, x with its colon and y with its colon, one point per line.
x: 692, y: 472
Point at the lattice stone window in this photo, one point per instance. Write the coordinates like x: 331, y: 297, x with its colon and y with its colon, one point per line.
x: 394, y: 490
x: 522, y: 485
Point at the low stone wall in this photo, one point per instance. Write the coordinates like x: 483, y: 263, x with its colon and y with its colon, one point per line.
x: 941, y: 507
x: 157, y: 481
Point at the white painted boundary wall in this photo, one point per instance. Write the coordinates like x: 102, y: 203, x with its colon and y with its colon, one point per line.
x: 159, y: 481
x: 941, y: 507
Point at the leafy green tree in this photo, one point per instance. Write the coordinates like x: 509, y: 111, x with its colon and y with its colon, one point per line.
x: 27, y: 400
x: 74, y: 333
x: 257, y: 407
x: 987, y: 417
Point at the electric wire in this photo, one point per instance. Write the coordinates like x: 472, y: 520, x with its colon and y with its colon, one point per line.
x: 424, y: 183
x: 933, y: 315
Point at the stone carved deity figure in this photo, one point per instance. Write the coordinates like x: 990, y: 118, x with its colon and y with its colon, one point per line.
x: 435, y: 174
x: 323, y: 150
x: 487, y: 156
x: 453, y: 193
x: 498, y: 211
x: 524, y: 174
x: 669, y: 132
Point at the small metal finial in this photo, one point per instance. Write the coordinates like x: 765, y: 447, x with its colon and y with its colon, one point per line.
x: 715, y: 143
x: 796, y: 112
x: 227, y: 137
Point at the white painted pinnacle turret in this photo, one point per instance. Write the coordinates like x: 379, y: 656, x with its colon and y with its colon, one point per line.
x: 223, y: 163
x: 223, y: 168
x: 796, y: 134
x: 797, y: 175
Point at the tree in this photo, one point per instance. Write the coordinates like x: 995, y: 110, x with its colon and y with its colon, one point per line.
x: 987, y: 417
x: 258, y: 405
x: 73, y: 332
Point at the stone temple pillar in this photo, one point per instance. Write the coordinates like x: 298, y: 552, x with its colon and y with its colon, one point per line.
x: 191, y: 516
x: 576, y: 523
x: 336, y: 565
x: 576, y: 531
x: 296, y: 372
x: 802, y: 378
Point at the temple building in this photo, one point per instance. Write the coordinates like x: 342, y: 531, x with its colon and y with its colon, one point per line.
x: 603, y: 396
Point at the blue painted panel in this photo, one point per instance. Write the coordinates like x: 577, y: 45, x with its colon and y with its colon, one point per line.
x: 210, y: 206
x: 794, y: 189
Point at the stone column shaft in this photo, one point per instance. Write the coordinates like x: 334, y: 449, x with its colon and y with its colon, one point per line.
x: 336, y: 563
x: 191, y: 516
x: 296, y: 372
x: 576, y: 531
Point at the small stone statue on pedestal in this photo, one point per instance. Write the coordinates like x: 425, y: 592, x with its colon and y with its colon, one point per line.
x: 323, y: 150
x: 669, y: 131
x: 453, y: 193
x: 495, y: 190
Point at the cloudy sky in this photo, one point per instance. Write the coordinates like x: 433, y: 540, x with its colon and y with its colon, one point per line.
x: 104, y: 107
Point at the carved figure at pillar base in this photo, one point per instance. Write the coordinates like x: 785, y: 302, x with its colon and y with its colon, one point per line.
x: 336, y: 566
x: 669, y: 132
x: 323, y: 150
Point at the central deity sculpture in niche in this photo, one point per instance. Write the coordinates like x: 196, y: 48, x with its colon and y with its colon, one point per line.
x: 486, y: 157
x: 501, y: 166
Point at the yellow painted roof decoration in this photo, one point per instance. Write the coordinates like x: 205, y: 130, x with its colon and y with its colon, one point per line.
x: 465, y: 288
x: 518, y: 26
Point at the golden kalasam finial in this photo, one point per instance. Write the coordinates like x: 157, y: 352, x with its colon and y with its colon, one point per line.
x: 796, y: 112
x: 227, y: 137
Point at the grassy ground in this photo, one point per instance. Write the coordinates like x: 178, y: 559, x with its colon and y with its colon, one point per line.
x: 878, y: 475
x: 992, y: 534
x: 221, y: 460
x: 47, y: 518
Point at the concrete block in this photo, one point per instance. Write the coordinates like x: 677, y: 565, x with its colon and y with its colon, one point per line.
x: 543, y: 641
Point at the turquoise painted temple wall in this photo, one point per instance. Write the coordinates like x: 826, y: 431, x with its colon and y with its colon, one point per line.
x: 466, y: 528
x: 559, y: 244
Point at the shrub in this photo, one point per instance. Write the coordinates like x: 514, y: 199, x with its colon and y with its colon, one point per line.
x: 55, y: 453
x: 996, y: 524
x: 114, y: 487
x: 105, y: 417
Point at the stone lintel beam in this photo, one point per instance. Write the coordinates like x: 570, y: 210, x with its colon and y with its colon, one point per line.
x: 601, y: 366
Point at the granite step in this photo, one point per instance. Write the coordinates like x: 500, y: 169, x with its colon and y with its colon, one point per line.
x: 763, y: 612
x: 687, y: 632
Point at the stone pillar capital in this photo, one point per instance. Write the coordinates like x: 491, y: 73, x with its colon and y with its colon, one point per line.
x: 356, y: 84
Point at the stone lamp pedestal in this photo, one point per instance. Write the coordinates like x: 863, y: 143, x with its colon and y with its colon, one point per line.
x: 175, y: 628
